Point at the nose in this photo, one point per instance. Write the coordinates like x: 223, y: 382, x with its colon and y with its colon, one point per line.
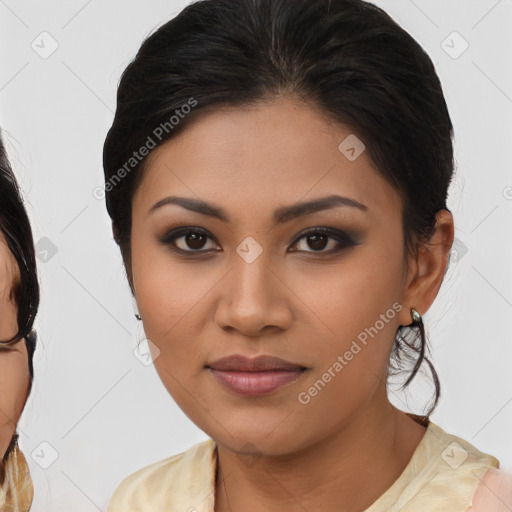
x: 254, y: 299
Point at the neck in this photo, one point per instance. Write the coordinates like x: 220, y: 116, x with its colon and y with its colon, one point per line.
x: 347, y: 471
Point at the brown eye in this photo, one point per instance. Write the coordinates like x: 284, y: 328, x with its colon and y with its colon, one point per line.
x: 319, y: 239
x: 195, y: 240
x: 186, y: 240
x: 317, y: 242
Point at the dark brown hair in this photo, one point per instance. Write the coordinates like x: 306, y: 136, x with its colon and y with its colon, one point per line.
x: 15, y: 226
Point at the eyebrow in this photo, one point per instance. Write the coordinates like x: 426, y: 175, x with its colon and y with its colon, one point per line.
x: 281, y: 215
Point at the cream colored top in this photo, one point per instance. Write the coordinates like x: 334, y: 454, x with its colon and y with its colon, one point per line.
x: 442, y: 476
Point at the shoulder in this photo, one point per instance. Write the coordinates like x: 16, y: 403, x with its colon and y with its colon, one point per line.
x: 445, y: 473
x: 457, y: 454
x: 494, y: 494
x: 165, y: 482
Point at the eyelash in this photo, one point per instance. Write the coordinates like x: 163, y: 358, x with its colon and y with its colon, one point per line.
x: 344, y: 240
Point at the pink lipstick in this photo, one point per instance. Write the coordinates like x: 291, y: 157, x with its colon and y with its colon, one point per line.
x: 255, y: 376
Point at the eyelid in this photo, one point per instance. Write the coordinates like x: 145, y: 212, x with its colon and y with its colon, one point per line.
x: 169, y: 238
x: 324, y: 230
x: 342, y: 238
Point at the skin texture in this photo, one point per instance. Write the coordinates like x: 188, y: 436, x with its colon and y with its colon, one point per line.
x: 494, y: 494
x: 298, y: 301
x: 14, y: 371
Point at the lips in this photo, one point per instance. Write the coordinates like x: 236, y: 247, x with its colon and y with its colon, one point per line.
x: 262, y: 363
x: 255, y: 376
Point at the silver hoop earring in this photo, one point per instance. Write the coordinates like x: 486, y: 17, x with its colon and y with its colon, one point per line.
x: 416, y: 317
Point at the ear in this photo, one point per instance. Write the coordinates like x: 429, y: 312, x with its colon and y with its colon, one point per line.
x: 426, y: 272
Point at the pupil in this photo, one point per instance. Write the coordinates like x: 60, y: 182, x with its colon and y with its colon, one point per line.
x: 194, y: 237
x: 315, y: 239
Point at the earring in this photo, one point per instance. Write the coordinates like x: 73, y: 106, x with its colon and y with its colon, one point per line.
x: 416, y: 317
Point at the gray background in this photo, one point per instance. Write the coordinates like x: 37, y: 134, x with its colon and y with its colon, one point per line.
x: 97, y: 412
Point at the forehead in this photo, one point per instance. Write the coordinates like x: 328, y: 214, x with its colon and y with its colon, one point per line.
x: 277, y: 153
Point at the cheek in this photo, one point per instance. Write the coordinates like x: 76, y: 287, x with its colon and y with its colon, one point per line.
x: 167, y: 296
x: 169, y: 299
x: 357, y: 306
x: 9, y: 312
x: 14, y: 384
x: 9, y: 276
x: 8, y: 319
x: 356, y: 299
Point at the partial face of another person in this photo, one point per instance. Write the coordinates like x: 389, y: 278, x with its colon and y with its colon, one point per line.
x: 14, y: 369
x: 252, y: 283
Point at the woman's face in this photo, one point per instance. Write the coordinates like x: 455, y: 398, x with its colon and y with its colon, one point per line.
x: 256, y: 285
x: 14, y: 371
